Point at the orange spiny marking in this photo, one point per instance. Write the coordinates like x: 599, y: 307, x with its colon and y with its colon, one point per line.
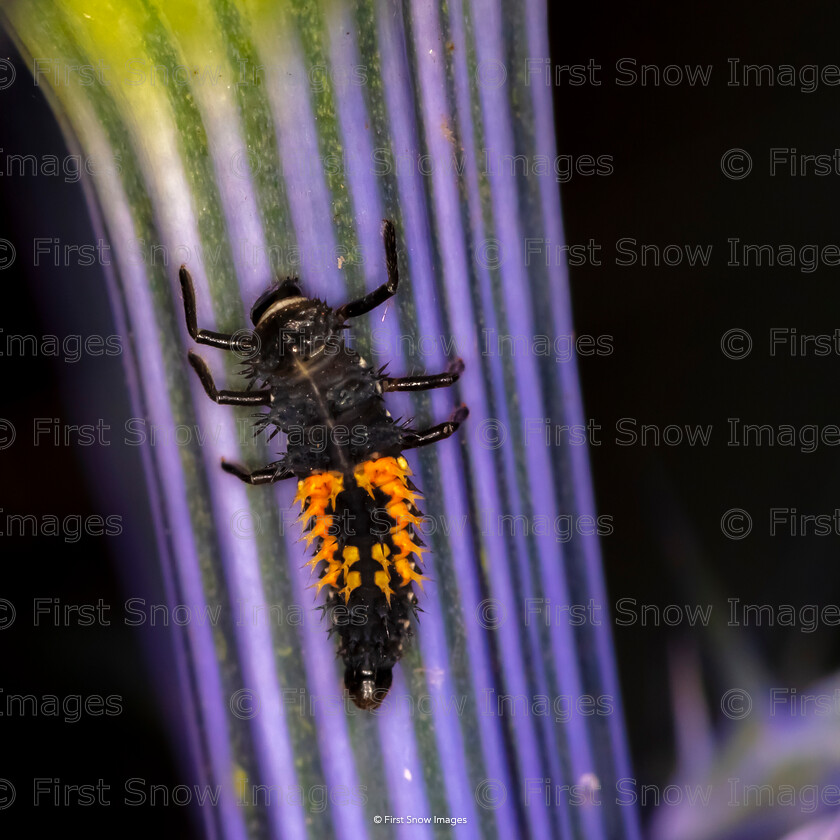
x: 380, y: 554
x: 328, y: 548
x: 390, y: 476
x: 399, y: 512
x: 320, y: 486
x: 321, y: 529
x: 315, y: 509
x: 387, y: 475
x: 370, y: 474
x: 317, y: 494
x: 350, y: 555
x: 382, y: 580
x: 320, y: 490
x: 354, y: 581
x: 402, y: 540
x: 329, y: 579
x: 407, y: 573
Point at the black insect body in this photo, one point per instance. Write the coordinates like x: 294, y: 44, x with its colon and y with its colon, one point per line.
x: 359, y: 504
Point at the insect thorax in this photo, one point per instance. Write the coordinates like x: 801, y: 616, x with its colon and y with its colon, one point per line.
x: 325, y: 397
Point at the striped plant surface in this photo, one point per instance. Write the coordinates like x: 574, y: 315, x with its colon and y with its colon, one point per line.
x: 253, y: 140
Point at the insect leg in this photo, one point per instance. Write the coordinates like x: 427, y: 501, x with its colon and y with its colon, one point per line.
x: 267, y: 475
x: 225, y: 397
x: 439, y: 432
x: 425, y: 383
x: 386, y: 290
x: 214, y: 339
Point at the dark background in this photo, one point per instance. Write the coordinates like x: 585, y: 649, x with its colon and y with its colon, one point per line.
x: 666, y: 144
x: 667, y: 323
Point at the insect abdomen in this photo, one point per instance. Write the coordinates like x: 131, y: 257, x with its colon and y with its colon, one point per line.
x: 367, y: 551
